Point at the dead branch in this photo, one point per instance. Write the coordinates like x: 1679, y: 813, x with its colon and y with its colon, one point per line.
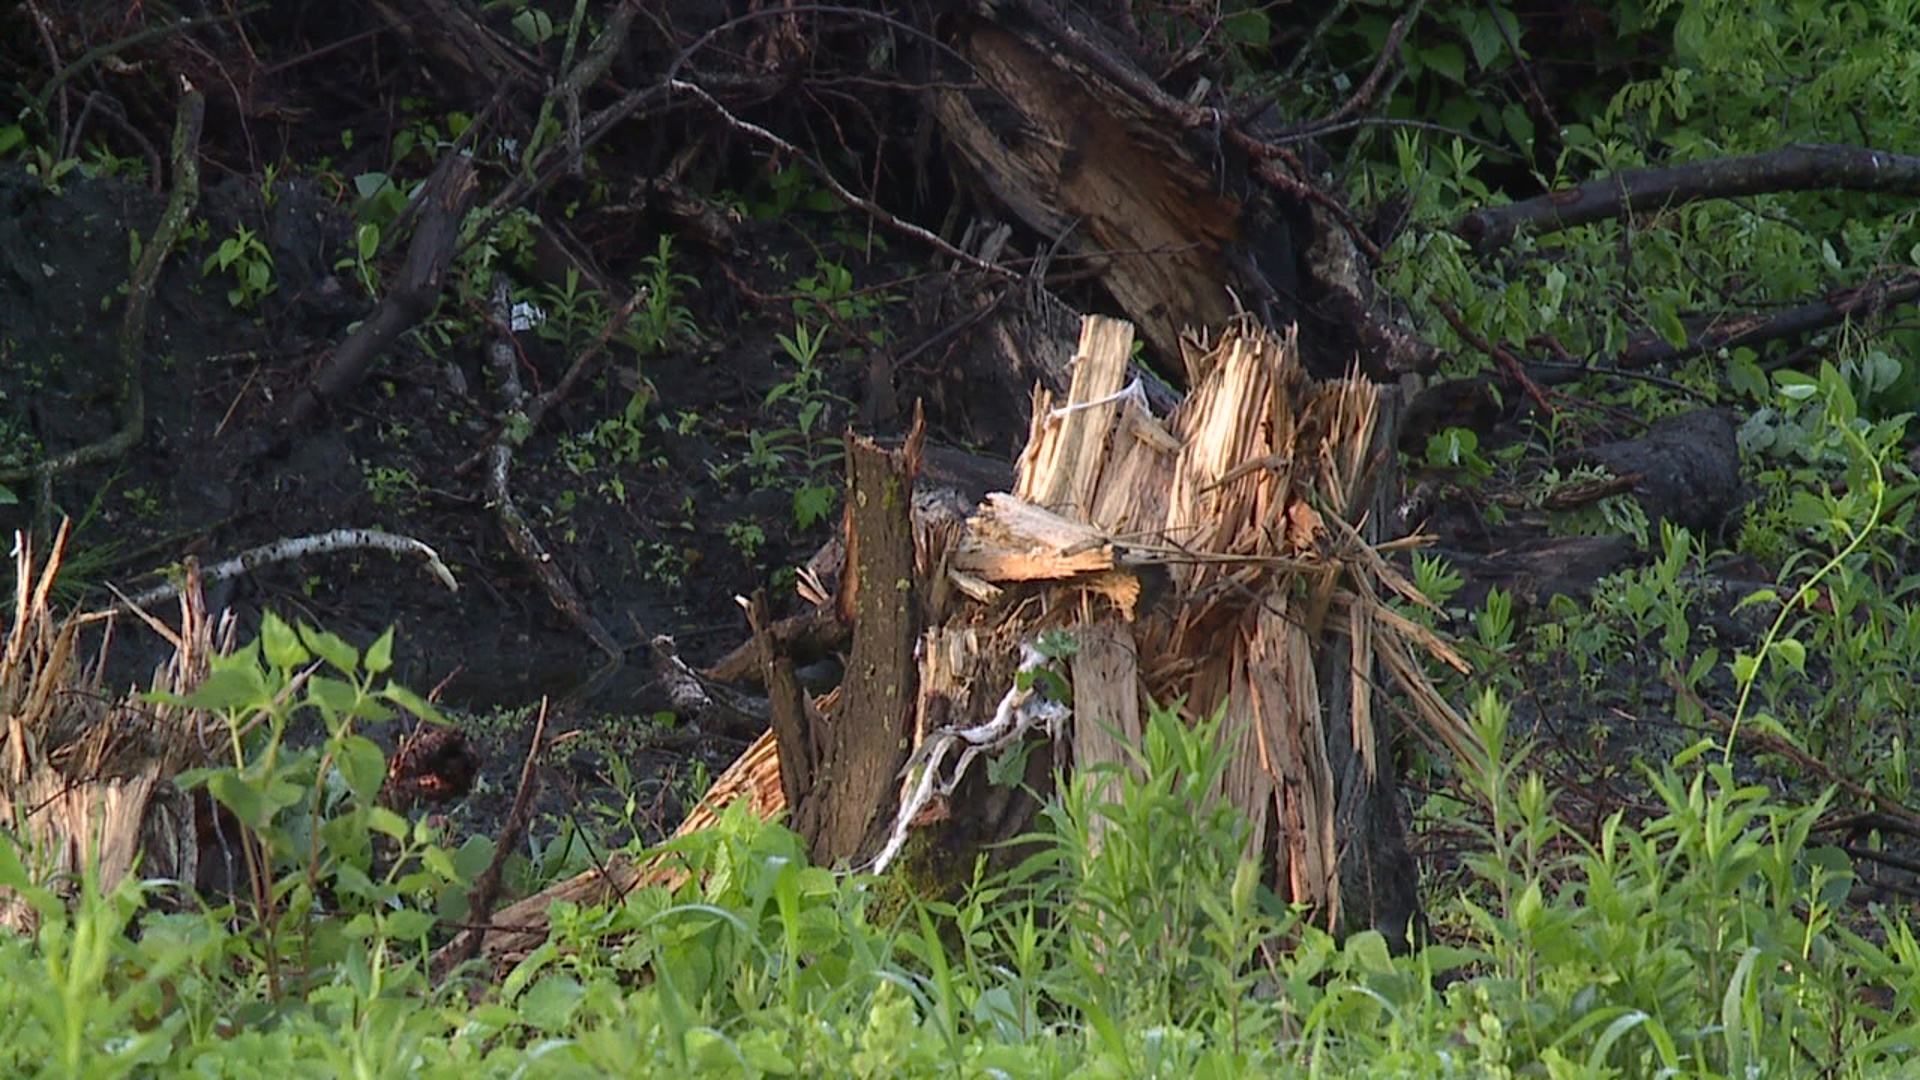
x: 585, y: 364
x: 284, y: 550
x: 1860, y: 301
x: 704, y: 704
x: 440, y: 206
x: 501, y: 356
x: 1364, y: 94
x: 1803, y: 167
x: 486, y: 888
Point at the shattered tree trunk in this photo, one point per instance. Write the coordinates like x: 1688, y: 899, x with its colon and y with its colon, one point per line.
x: 1188, y: 216
x: 1216, y: 557
x: 86, y: 776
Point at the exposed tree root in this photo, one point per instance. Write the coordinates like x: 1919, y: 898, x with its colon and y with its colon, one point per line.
x: 133, y: 329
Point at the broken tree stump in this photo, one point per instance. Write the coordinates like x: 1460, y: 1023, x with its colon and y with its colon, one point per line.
x: 1217, y: 558
x: 87, y: 787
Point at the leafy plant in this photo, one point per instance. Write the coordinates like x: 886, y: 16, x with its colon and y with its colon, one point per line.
x: 310, y: 812
x: 391, y: 485
x: 244, y: 258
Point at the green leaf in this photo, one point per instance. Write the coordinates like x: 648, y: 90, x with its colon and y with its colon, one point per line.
x: 407, y: 925
x: 387, y: 823
x: 332, y: 648
x: 437, y: 860
x: 369, y: 184
x: 1745, y: 376
x: 1744, y: 666
x: 1793, y: 654
x: 7, y: 497
x: 380, y: 653
x: 550, y: 1003
x: 353, y: 881
x: 335, y: 697
x: 413, y: 703
x: 1518, y: 124
x: 1667, y: 322
x: 812, y: 503
x: 231, y: 686
x: 1447, y: 61
x: 279, y: 643
x: 1795, y: 386
x: 1249, y: 26
x: 472, y: 857
x: 254, y: 806
x: 15, y: 877
x: 1484, y: 38
x: 534, y: 25
x: 362, y: 765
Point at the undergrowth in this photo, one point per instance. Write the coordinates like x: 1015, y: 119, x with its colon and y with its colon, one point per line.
x: 1705, y: 939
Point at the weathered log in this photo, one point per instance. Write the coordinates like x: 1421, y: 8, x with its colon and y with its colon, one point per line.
x: 1186, y: 218
x: 1802, y: 167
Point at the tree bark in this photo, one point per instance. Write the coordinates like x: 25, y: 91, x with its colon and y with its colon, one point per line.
x: 849, y: 756
x: 1635, y: 191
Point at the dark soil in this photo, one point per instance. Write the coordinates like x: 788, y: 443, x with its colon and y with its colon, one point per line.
x: 646, y: 540
x: 660, y: 515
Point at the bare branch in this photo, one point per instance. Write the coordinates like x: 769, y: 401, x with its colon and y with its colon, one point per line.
x: 1802, y: 167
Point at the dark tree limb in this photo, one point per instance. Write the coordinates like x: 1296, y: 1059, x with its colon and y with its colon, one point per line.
x: 440, y: 206
x: 786, y: 705
x: 1750, y: 330
x: 1802, y: 167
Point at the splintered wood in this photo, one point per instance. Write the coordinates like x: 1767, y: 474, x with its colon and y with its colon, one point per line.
x: 86, y: 775
x: 1250, y: 503
x: 1219, y: 558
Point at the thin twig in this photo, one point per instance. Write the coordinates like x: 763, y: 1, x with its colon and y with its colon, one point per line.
x: 486, y: 888
x: 827, y: 180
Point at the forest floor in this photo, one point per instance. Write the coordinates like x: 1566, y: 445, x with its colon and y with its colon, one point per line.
x: 662, y: 489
